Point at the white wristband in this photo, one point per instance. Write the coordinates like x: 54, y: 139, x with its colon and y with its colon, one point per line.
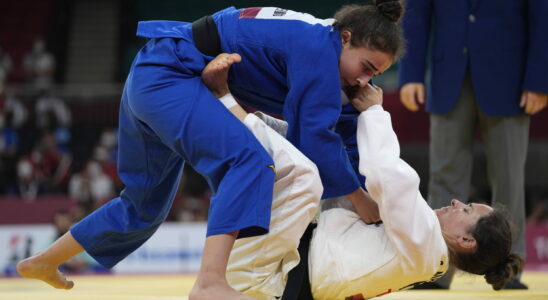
x: 228, y: 100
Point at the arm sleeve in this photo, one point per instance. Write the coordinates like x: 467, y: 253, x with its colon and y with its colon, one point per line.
x: 536, y: 72
x: 280, y: 126
x: 312, y: 107
x: 394, y: 185
x: 416, y: 28
x: 346, y: 128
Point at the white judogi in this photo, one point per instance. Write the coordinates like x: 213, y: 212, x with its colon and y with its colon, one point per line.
x: 258, y: 266
x: 349, y: 258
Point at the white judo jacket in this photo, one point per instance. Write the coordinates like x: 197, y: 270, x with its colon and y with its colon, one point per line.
x: 351, y: 260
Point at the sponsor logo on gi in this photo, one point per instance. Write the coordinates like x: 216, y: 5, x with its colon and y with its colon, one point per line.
x: 279, y: 12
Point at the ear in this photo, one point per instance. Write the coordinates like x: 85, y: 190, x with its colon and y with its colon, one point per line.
x: 467, y: 243
x: 345, y: 36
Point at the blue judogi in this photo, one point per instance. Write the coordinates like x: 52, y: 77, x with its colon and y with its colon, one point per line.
x: 168, y: 117
x: 290, y: 67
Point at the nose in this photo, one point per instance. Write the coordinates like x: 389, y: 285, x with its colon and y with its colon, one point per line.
x: 456, y: 203
x: 363, y: 80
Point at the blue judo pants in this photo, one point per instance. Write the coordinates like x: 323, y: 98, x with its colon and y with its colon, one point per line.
x: 168, y: 117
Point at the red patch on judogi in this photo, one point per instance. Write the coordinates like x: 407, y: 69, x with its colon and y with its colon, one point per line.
x: 249, y: 13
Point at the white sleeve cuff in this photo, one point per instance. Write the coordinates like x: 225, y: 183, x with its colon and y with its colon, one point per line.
x: 280, y: 126
x: 375, y: 107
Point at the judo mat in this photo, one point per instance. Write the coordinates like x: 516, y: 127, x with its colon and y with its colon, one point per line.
x: 177, y: 287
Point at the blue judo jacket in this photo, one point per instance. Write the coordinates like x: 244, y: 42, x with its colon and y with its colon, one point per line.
x: 290, y: 67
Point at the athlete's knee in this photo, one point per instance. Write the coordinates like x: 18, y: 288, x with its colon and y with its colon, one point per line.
x: 256, y: 158
x: 309, y: 176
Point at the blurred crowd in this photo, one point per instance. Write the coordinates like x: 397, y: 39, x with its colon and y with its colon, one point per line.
x: 46, y: 167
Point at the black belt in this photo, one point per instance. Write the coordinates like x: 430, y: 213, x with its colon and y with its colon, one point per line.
x: 206, y: 37
x: 298, y: 282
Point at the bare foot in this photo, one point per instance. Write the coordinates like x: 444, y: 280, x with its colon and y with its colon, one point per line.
x: 215, y: 74
x: 217, y: 291
x: 34, y: 268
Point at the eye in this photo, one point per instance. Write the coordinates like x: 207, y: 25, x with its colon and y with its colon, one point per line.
x: 467, y: 208
x: 368, y: 71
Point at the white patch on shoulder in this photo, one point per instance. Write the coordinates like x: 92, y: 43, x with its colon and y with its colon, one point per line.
x: 286, y: 14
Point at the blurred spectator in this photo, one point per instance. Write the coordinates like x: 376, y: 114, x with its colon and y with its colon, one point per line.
x: 28, y: 179
x: 108, y: 166
x: 192, y: 202
x: 53, y: 114
x: 13, y: 115
x: 91, y: 187
x: 9, y: 105
x: 45, y: 170
x: 39, y: 66
x: 192, y: 209
x: 5, y: 66
x: 55, y: 164
x: 539, y: 213
x: 109, y: 140
x: 106, y: 154
x: 78, y: 212
x: 62, y: 221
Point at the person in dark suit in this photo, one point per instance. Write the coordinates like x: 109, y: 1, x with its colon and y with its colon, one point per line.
x: 489, y: 72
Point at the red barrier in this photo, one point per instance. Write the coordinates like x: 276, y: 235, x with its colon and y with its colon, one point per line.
x: 537, y: 246
x: 18, y: 211
x: 414, y: 126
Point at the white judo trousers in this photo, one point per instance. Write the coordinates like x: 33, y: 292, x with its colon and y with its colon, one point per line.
x: 259, y: 266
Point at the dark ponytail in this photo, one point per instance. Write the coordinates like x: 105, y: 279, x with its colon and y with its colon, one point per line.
x: 501, y: 274
x: 376, y: 26
x: 492, y: 257
x: 391, y: 9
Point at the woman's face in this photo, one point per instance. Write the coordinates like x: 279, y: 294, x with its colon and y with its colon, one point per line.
x: 457, y: 220
x: 357, y: 65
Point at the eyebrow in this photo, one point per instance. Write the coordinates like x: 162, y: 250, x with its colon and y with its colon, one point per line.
x: 373, y: 66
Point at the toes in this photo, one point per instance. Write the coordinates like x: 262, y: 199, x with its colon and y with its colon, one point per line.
x: 22, y: 268
x: 235, y: 57
x: 225, y: 59
x: 61, y: 282
x: 69, y: 284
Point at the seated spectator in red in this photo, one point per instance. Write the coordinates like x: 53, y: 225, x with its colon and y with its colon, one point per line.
x: 45, y: 170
